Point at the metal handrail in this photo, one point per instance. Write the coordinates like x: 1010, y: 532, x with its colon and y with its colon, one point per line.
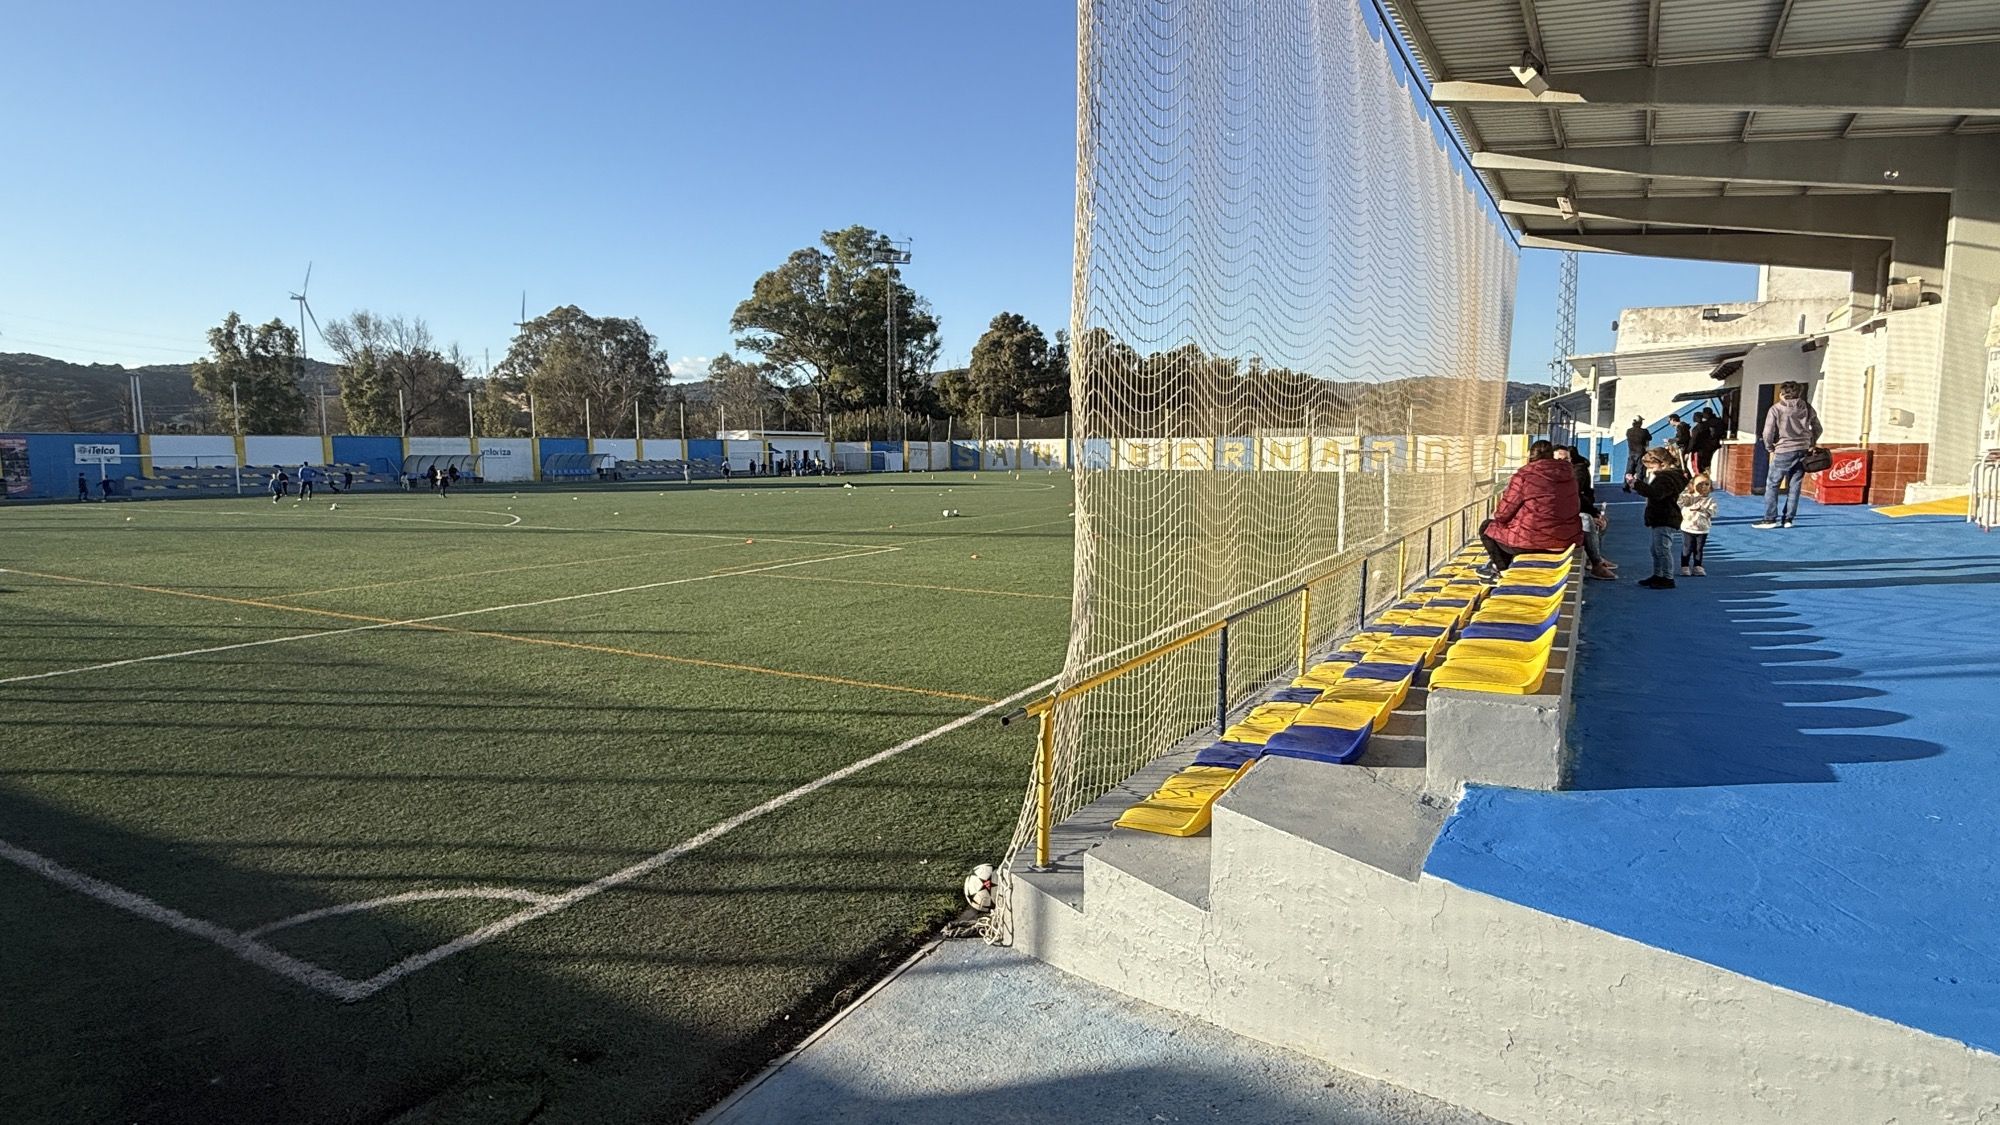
x: 1045, y: 707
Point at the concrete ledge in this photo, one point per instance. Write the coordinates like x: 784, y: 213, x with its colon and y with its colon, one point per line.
x: 1516, y: 741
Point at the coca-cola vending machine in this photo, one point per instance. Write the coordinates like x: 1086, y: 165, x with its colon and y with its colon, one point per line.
x: 1847, y: 481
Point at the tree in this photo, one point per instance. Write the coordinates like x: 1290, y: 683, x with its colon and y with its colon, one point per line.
x: 742, y: 391
x: 567, y: 358
x: 257, y: 365
x: 501, y: 407
x: 393, y: 379
x: 1013, y: 371
x: 822, y: 318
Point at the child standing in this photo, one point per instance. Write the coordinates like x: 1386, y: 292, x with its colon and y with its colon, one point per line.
x: 1662, y: 483
x: 1697, y: 503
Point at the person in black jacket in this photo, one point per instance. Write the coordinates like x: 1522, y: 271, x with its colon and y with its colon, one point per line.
x: 1661, y: 483
x: 1637, y: 438
x: 1595, y: 519
x: 1704, y: 442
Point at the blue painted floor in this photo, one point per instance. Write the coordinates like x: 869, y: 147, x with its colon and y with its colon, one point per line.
x: 1790, y: 768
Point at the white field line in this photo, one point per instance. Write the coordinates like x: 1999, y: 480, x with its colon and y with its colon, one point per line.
x: 330, y: 983
x: 512, y: 519
x: 509, y: 894
x: 257, y: 953
x: 427, y: 620
x: 659, y: 860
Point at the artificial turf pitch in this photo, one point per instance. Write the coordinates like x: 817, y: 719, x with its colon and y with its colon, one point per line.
x: 508, y: 707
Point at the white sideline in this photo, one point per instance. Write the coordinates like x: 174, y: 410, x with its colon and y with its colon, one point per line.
x: 508, y: 894
x: 255, y: 952
x: 654, y: 862
x: 428, y: 620
x: 326, y: 981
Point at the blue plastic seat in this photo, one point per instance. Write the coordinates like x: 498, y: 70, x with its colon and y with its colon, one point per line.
x: 1229, y: 755
x: 1334, y: 745
x: 1294, y: 695
x: 1530, y: 591
x: 1509, y: 631
x: 1419, y: 630
x: 1374, y: 670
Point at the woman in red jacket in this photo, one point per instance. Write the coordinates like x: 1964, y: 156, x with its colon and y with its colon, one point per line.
x: 1539, y: 511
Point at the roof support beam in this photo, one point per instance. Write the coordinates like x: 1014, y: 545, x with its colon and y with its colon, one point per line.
x: 1938, y: 163
x: 1936, y: 80
x: 1803, y: 251
x: 1914, y: 223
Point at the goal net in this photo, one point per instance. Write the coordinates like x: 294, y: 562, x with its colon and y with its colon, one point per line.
x: 1289, y: 339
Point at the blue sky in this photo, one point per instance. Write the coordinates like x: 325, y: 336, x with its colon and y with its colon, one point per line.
x: 166, y: 164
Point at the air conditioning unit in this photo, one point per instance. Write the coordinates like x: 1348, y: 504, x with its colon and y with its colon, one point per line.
x: 1907, y: 294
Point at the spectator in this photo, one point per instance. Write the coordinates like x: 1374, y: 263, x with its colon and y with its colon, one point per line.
x: 1704, y: 442
x: 1595, y: 520
x: 1683, y: 432
x: 1791, y: 430
x: 1697, y: 503
x: 1662, y: 483
x: 1539, y: 511
x: 1636, y: 440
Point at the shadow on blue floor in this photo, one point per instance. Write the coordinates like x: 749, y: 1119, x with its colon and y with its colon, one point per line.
x: 1786, y: 768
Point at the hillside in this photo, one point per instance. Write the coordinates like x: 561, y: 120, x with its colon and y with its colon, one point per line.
x: 39, y: 393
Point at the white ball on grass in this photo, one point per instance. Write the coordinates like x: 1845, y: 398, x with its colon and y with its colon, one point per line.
x: 982, y: 892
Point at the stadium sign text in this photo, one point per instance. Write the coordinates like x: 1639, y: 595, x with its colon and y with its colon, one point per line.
x: 97, y: 454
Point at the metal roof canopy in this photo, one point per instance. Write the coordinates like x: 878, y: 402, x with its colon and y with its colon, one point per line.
x: 1687, y: 357
x: 1638, y: 126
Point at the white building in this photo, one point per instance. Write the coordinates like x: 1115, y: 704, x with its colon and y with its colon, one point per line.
x: 1872, y: 374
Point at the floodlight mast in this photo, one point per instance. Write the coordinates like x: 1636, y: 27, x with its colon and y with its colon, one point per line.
x: 890, y: 253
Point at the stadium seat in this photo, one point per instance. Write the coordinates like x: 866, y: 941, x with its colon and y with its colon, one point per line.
x: 1316, y: 743
x: 1505, y: 677
x: 1228, y: 755
x: 1262, y: 722
x: 1184, y: 805
x: 1510, y: 630
x: 1294, y: 695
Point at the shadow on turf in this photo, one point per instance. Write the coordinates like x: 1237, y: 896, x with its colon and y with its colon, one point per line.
x: 1719, y: 682
x: 135, y: 1022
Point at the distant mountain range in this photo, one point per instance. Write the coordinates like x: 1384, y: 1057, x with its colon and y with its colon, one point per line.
x: 42, y: 394
x: 39, y: 393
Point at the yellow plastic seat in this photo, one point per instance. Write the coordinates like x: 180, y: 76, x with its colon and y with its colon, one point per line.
x: 1388, y: 694
x: 1517, y: 609
x: 1263, y: 721
x: 1347, y: 714
x: 1409, y: 650
x: 1185, y: 804
x: 1538, y: 576
x: 1494, y: 648
x: 1546, y: 556
x: 1501, y: 677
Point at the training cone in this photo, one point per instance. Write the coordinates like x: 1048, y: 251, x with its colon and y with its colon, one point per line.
x: 975, y: 556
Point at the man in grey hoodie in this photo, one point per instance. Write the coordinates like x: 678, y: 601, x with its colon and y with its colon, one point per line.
x: 1791, y: 430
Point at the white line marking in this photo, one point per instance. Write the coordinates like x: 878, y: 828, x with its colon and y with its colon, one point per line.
x: 509, y: 894
x: 658, y: 860
x: 427, y: 620
x: 512, y: 519
x: 348, y: 990
x: 255, y: 952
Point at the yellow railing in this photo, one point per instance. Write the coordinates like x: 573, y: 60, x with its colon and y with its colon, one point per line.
x: 1044, y: 709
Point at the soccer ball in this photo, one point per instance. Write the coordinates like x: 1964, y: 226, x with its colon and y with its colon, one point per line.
x: 981, y: 889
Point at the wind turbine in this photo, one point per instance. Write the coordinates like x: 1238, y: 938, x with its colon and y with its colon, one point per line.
x: 306, y: 313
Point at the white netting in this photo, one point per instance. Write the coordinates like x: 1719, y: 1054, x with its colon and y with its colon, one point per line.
x: 1290, y: 327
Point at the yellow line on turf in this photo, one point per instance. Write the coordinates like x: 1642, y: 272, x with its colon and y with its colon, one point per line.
x: 917, y: 586
x: 429, y: 626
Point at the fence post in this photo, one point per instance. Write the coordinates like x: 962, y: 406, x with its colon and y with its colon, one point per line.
x: 1045, y: 786
x: 1222, y: 683
x: 1305, y: 627
x: 1363, y: 622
